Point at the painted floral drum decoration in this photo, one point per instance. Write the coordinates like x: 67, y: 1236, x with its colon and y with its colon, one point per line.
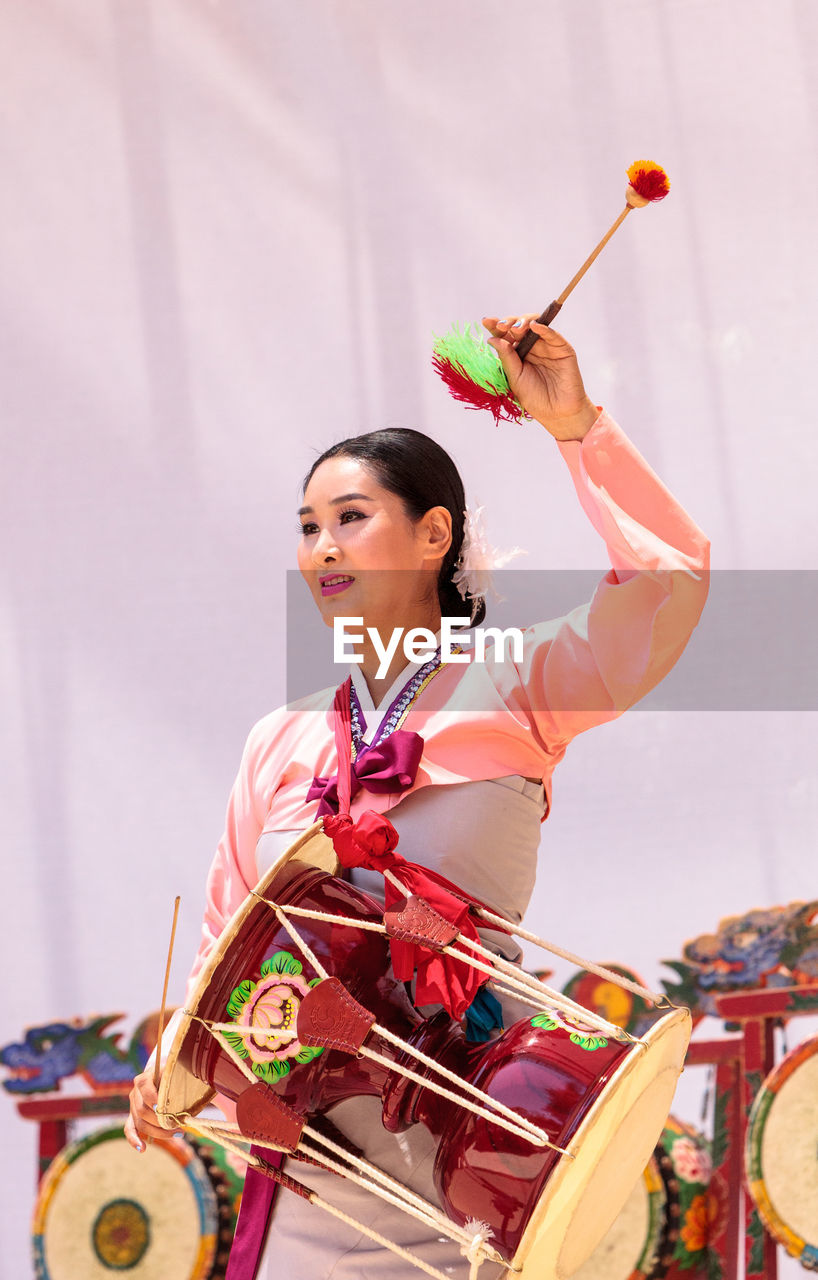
x: 580, y: 1035
x: 701, y: 1204
x: 270, y: 1006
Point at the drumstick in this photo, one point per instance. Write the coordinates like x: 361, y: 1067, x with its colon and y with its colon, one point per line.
x: 157, y: 1066
x: 551, y: 311
x: 474, y: 373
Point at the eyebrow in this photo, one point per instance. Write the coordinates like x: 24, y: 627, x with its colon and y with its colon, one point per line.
x: 336, y: 502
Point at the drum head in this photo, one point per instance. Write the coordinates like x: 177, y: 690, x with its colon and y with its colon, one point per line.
x: 612, y: 1146
x: 782, y: 1136
x: 180, y: 1092
x: 103, y: 1209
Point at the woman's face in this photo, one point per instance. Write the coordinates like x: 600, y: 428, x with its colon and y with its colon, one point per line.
x: 362, y: 556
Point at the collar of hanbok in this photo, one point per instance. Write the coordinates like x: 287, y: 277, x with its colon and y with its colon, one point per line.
x: 385, y: 757
x: 371, y: 842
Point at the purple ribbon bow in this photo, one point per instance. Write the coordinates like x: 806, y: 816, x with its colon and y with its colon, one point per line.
x: 388, y: 765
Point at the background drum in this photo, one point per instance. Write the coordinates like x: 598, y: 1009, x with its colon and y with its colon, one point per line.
x: 638, y: 1245
x: 662, y: 1231
x: 780, y: 1155
x: 167, y: 1214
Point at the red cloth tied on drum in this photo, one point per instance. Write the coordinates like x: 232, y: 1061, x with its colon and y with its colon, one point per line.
x: 441, y: 979
x: 371, y: 842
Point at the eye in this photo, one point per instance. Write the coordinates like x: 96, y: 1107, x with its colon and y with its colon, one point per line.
x: 309, y: 527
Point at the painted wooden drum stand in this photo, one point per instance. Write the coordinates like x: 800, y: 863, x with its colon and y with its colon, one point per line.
x: 541, y: 1132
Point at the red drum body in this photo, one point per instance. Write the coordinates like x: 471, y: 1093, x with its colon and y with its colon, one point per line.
x: 602, y: 1101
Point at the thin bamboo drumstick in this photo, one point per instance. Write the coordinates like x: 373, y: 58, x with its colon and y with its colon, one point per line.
x: 527, y: 341
x: 157, y: 1066
x: 593, y: 256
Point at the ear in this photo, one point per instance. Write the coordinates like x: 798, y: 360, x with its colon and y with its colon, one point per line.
x: 435, y: 528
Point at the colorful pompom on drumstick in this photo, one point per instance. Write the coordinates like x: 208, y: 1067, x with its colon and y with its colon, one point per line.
x: 472, y: 370
x: 647, y: 183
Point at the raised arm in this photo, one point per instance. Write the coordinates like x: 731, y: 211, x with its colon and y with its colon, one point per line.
x: 591, y: 665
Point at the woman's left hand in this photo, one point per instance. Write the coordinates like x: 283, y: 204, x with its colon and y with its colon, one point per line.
x: 548, y: 383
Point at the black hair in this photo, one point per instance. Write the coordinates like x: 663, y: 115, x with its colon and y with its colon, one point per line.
x: 419, y: 472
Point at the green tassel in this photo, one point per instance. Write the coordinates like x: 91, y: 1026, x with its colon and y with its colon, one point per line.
x: 474, y: 375
x: 480, y: 362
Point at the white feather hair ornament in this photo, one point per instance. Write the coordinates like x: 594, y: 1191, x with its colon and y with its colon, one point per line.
x: 478, y: 558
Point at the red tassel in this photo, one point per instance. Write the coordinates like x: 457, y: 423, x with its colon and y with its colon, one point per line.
x: 501, y: 405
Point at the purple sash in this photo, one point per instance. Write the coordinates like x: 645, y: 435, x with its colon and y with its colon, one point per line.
x: 257, y: 1201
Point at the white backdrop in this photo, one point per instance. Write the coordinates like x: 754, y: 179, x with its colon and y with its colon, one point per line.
x: 229, y: 231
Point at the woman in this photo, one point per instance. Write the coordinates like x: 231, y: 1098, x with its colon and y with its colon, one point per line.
x: 381, y: 538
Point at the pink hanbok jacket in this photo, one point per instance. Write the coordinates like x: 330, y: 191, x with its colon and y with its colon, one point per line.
x: 497, y: 718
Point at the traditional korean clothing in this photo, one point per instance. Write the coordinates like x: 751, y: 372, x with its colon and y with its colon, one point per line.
x: 492, y: 733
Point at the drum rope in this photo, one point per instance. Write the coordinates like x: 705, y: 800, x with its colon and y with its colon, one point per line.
x: 246, y: 1070
x: 497, y: 985
x: 297, y: 938
x: 519, y: 1122
x: 411, y: 1258
x: 223, y: 1133
x: 659, y: 1001
x: 488, y: 1108
x: 316, y: 1199
x: 435, y: 1215
x: 524, y: 981
x: 527, y: 982
x: 511, y: 926
x: 400, y: 1196
x: 395, y: 1192
x: 520, y: 1127
x: 376, y: 926
x: 474, y: 1251
x: 370, y: 1184
x: 249, y: 1032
